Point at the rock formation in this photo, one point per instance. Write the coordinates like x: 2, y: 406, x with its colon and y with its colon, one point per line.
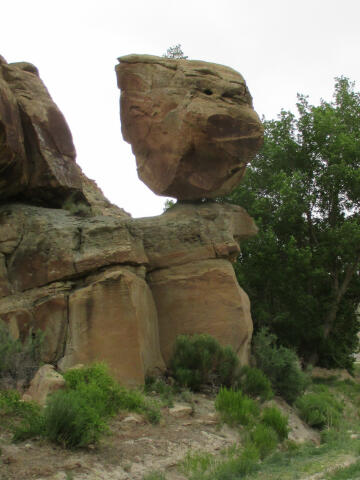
x: 101, y: 285
x: 190, y: 123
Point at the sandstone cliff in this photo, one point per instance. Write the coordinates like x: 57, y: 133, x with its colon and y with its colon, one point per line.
x: 101, y: 285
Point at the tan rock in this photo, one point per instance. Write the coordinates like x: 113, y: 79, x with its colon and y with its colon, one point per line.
x: 180, y: 410
x: 43, y: 308
x: 190, y: 123
x: 133, y: 419
x: 202, y: 297
x: 99, y: 204
x: 114, y: 319
x: 81, y: 273
x: 45, y: 381
x: 49, y: 245
x: 192, y: 232
x: 13, y: 167
x: 52, y: 173
x: 37, y: 155
x: 51, y: 316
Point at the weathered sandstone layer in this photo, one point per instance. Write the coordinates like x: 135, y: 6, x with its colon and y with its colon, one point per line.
x: 100, y: 284
x: 191, y: 124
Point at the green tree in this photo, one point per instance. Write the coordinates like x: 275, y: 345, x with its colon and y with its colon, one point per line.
x: 302, y: 270
x: 175, y: 52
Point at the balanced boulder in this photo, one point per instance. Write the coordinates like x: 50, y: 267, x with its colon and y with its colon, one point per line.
x: 191, y: 124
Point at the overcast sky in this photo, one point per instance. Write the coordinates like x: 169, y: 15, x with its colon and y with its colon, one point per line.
x: 281, y: 47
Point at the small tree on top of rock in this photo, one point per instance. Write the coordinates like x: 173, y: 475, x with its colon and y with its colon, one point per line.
x: 175, y: 52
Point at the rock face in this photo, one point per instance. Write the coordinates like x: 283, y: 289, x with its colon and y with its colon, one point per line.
x: 46, y: 381
x: 37, y: 154
x: 190, y: 123
x: 101, y: 285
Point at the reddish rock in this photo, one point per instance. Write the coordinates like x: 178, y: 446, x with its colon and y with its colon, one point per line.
x: 13, y: 165
x: 49, y: 167
x: 191, y: 124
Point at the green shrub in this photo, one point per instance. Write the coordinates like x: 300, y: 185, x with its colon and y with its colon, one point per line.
x: 71, y: 421
x: 281, y: 365
x: 254, y: 383
x: 197, y: 465
x: 24, y: 419
x: 154, y: 476
x: 235, y: 407
x: 95, y: 384
x: 264, y: 438
x: 12, y: 405
x: 78, y: 415
x: 30, y: 427
x: 18, y: 360
x: 159, y: 386
x: 272, y: 417
x: 200, y: 359
x: 346, y: 473
x: 320, y: 409
x: 13, y: 409
x: 236, y: 468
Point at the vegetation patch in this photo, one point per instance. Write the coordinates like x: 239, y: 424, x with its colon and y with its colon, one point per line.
x: 320, y: 409
x: 200, y: 360
x: 272, y: 417
x: 281, y: 365
x: 254, y: 383
x: 264, y: 438
x: 78, y: 416
x: 18, y: 360
x: 236, y: 408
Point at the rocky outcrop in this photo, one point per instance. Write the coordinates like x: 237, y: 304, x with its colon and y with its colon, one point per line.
x: 45, y: 382
x: 37, y: 154
x: 101, y: 285
x: 190, y: 123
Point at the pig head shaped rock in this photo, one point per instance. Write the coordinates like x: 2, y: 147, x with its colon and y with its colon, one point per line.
x: 191, y: 124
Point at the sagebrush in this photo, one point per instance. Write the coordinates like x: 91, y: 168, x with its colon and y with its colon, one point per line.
x: 79, y: 414
x: 200, y: 360
x: 254, y: 383
x: 281, y: 365
x: 235, y: 407
x: 19, y: 360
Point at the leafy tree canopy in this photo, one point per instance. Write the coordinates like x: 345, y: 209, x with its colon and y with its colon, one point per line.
x: 302, y: 271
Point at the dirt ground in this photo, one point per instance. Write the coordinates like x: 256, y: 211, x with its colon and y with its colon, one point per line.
x: 134, y: 447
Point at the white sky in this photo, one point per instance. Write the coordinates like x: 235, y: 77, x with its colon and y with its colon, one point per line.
x: 281, y: 47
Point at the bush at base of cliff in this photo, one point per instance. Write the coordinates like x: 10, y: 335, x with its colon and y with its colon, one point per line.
x: 281, y: 365
x: 254, y: 383
x: 18, y: 360
x: 235, y: 408
x: 200, y: 360
x: 320, y: 409
x: 272, y: 417
x: 265, y: 439
x: 78, y: 415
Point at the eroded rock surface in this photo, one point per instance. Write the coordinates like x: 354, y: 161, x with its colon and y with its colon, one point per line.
x: 191, y: 124
x: 202, y: 297
x: 37, y: 154
x: 101, y: 285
